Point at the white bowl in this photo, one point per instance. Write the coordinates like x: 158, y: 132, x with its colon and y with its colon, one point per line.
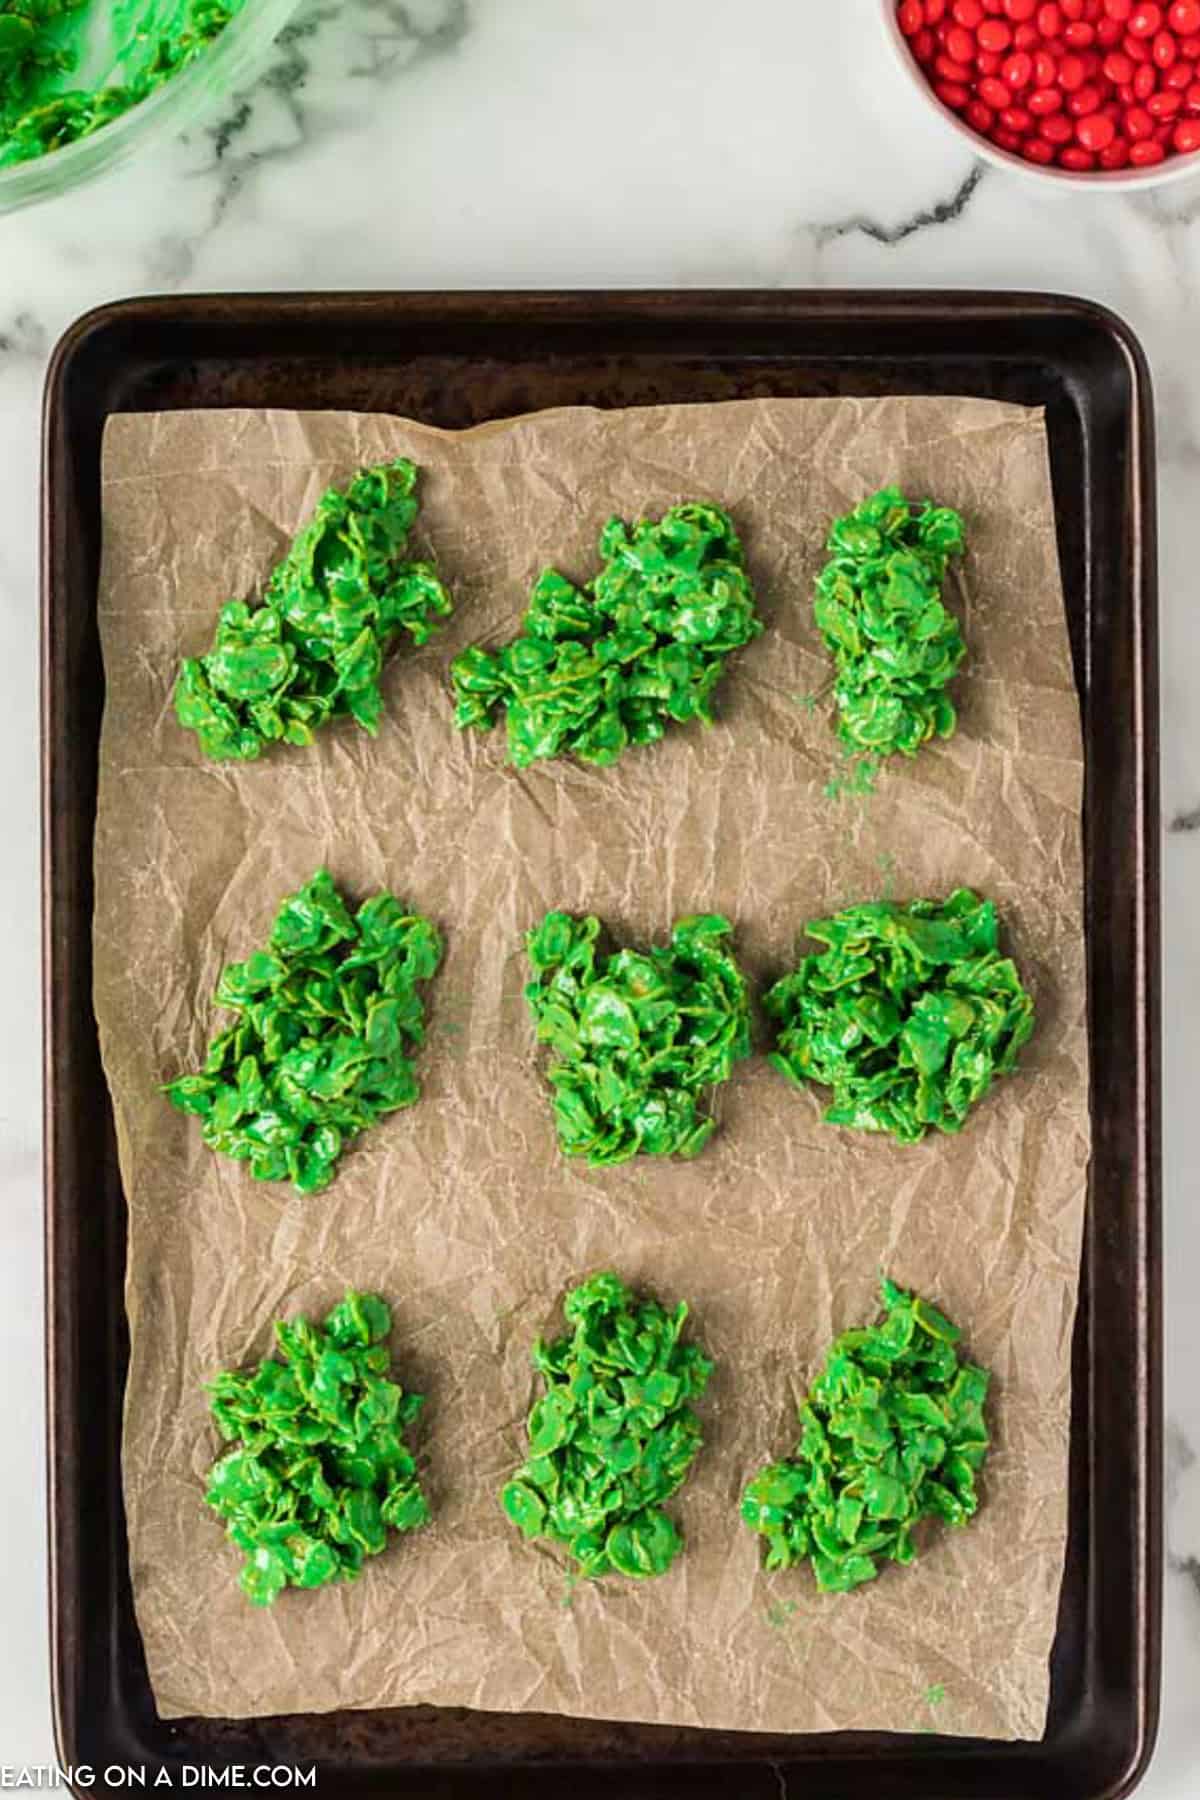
x: 1175, y: 168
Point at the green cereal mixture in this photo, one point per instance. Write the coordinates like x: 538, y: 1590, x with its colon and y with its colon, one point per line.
x: 328, y: 1018
x: 320, y: 1472
x: 51, y: 91
x: 613, y: 663
x: 879, y: 610
x: 332, y: 609
x: 614, y: 1435
x: 908, y: 1013
x: 892, y: 1433
x: 639, y: 1036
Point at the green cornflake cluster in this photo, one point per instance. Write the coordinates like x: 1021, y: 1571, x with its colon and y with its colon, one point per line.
x: 908, y: 1014
x: 328, y: 1019
x: 599, y: 668
x: 614, y: 1436
x: 893, y: 1433
x: 332, y: 609
x: 879, y: 609
x: 33, y: 54
x: 321, y: 1472
x: 639, y: 1035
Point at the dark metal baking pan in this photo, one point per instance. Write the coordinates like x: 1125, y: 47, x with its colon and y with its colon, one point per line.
x: 454, y: 360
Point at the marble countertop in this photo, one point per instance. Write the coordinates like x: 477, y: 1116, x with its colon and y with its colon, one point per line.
x: 576, y: 143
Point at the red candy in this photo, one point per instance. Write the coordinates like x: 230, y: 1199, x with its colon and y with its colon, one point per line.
x: 952, y: 94
x: 1096, y: 131
x: 1084, y: 84
x: 949, y: 70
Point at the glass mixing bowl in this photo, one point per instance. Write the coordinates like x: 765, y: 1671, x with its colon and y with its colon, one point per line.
x: 229, y: 62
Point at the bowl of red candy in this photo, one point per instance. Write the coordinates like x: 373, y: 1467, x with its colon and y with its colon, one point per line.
x: 1096, y: 92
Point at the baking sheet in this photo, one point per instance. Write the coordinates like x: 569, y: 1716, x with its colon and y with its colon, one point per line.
x: 460, y: 1211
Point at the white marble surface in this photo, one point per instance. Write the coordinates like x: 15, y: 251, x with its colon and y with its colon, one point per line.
x: 446, y: 143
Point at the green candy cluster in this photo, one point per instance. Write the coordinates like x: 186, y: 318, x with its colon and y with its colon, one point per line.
x: 892, y: 1433
x: 614, y: 1435
x: 879, y: 610
x: 332, y: 609
x: 602, y: 667
x: 909, y: 1013
x: 328, y: 1017
x: 639, y: 1035
x: 321, y: 1472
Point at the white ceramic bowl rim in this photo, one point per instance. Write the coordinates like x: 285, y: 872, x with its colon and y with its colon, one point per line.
x: 1175, y: 168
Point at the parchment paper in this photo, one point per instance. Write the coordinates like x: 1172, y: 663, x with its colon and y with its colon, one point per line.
x: 461, y: 1211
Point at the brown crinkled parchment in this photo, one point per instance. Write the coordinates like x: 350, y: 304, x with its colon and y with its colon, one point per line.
x: 461, y: 1211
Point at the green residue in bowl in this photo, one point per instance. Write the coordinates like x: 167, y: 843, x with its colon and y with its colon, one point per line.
x: 67, y: 67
